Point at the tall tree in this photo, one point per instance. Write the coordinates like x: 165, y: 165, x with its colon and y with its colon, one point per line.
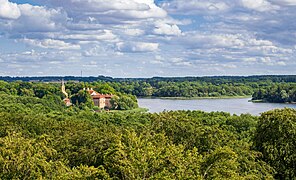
x: 275, y: 138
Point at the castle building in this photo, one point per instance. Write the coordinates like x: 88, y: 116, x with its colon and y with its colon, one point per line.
x: 100, y: 100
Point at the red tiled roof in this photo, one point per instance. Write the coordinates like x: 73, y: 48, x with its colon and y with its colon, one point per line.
x: 91, y: 91
x: 101, y: 96
x: 98, y: 95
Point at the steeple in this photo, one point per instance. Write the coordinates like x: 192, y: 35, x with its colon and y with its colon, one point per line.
x: 64, y: 89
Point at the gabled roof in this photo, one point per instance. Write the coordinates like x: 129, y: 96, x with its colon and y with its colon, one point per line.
x: 96, y: 95
x: 92, y: 92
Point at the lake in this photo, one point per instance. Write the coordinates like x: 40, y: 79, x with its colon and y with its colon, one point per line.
x: 233, y: 106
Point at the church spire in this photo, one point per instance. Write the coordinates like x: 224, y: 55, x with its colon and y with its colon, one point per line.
x: 64, y: 89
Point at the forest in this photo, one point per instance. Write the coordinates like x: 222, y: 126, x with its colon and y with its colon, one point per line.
x: 41, y: 138
x: 79, y: 97
x: 275, y: 89
x: 276, y: 93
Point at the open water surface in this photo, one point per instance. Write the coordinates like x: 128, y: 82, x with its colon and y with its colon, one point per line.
x: 233, y: 106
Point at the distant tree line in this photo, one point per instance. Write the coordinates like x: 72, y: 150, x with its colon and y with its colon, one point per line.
x: 266, y: 88
x: 214, y: 79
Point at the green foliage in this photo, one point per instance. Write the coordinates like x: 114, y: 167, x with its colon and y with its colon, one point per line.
x: 40, y: 138
x: 221, y: 164
x: 23, y: 158
x: 104, y: 88
x: 144, y: 156
x: 277, y: 93
x: 124, y: 102
x: 82, y: 98
x: 275, y: 138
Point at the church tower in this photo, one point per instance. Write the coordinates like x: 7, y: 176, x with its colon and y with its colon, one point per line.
x: 64, y: 89
x: 67, y: 101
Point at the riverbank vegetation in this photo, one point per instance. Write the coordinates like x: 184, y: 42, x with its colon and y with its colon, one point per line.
x: 263, y: 88
x: 276, y: 93
x: 41, y: 138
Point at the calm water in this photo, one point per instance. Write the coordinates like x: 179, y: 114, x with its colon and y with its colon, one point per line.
x: 233, y: 106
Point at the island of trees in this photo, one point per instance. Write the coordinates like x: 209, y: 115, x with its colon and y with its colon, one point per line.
x: 42, y: 138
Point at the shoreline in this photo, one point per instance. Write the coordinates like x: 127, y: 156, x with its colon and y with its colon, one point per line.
x: 195, y: 98
x: 262, y: 101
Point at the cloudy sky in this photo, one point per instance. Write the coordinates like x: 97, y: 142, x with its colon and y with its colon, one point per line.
x: 145, y: 38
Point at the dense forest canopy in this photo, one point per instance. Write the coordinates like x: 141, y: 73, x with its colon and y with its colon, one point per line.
x: 42, y: 138
x: 276, y: 93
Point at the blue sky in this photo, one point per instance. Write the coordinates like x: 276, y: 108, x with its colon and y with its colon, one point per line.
x: 145, y: 38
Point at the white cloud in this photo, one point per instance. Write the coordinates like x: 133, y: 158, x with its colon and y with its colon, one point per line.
x: 37, y: 19
x: 166, y: 29
x: 284, y: 2
x: 95, y: 51
x: 230, y: 66
x: 281, y: 63
x: 52, y: 44
x: 195, y: 6
x: 100, y: 50
x: 205, y: 7
x: 100, y: 35
x: 9, y: 10
x: 258, y: 5
x: 199, y: 40
x: 137, y: 47
x: 177, y: 61
x: 40, y: 18
x: 231, y: 42
x: 134, y: 32
x: 135, y: 9
x: 227, y: 35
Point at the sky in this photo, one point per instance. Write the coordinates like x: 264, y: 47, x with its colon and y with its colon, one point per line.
x: 146, y: 38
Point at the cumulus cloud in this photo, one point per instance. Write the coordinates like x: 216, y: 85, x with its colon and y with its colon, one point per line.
x: 197, y: 39
x: 33, y: 62
x: 35, y: 19
x: 9, y: 10
x: 52, y: 44
x: 104, y: 35
x: 205, y: 7
x: 38, y: 18
x: 195, y: 35
x: 95, y: 51
x: 284, y: 2
x: 134, y: 32
x: 258, y: 5
x: 137, y: 46
x: 112, y: 10
x: 195, y: 6
x: 218, y: 48
x: 166, y: 29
